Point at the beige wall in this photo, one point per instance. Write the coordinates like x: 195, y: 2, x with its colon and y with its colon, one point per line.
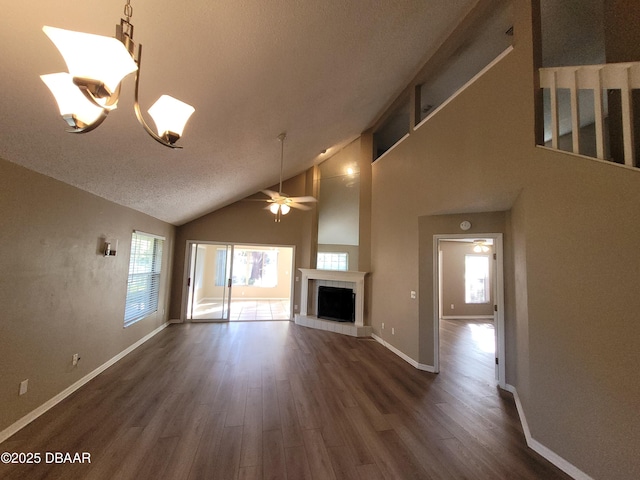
x: 571, y: 232
x: 59, y: 294
x: 249, y: 223
x: 453, y: 282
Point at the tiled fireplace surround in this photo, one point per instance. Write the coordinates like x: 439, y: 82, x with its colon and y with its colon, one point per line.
x: 311, y: 280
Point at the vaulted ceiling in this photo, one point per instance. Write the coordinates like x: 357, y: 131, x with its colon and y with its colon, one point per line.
x: 322, y: 71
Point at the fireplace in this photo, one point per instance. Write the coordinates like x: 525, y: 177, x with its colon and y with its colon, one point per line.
x: 353, y: 282
x: 336, y: 304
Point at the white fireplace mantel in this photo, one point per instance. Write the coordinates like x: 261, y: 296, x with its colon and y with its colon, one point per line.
x: 308, y: 319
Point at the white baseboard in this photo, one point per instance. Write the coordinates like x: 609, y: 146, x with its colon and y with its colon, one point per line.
x: 405, y: 357
x: 467, y: 317
x: 31, y: 416
x: 539, y: 448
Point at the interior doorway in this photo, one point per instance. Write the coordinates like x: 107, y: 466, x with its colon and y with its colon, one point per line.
x: 476, y: 266
x: 237, y: 282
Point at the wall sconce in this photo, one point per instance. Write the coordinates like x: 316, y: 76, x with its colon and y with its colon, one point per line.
x: 110, y: 248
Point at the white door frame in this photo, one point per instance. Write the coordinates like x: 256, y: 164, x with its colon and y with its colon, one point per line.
x: 498, y: 285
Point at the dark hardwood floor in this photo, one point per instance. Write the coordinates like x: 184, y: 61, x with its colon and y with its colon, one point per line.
x: 275, y: 400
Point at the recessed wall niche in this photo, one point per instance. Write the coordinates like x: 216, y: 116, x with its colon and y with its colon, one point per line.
x: 338, y: 206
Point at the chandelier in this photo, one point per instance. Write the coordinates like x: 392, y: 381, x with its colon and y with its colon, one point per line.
x: 91, y: 89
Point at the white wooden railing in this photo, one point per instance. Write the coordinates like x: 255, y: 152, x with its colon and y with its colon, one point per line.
x: 621, y: 76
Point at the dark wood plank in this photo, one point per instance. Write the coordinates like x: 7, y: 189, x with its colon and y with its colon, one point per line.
x: 275, y: 400
x: 274, y: 464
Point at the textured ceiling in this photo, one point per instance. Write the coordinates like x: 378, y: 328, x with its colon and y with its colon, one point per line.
x: 321, y: 71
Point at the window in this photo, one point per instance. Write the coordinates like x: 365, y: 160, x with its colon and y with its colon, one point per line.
x: 476, y: 279
x: 255, y: 268
x: 392, y: 130
x: 333, y: 261
x: 143, y: 286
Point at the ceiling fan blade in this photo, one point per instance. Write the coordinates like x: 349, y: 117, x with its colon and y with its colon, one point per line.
x: 303, y: 199
x: 298, y: 206
x: 270, y: 193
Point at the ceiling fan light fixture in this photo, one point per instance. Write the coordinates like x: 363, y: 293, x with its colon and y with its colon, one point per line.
x: 281, y: 203
x: 480, y: 246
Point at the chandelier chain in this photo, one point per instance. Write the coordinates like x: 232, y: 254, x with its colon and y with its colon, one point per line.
x: 127, y: 28
x: 128, y: 10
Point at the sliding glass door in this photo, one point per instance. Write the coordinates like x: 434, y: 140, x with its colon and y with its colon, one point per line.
x: 209, y: 282
x: 238, y: 282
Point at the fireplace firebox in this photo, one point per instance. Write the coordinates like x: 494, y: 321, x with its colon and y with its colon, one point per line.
x: 336, y: 304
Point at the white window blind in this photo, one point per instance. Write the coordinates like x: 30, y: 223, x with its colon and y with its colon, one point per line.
x: 143, y: 286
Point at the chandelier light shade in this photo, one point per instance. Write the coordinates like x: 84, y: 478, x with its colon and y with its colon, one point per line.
x: 97, y: 65
x: 170, y: 116
x: 74, y: 107
x: 93, y: 59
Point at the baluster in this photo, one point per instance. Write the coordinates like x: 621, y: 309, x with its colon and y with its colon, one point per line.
x: 555, y: 128
x: 627, y: 119
x: 599, y: 114
x: 575, y: 113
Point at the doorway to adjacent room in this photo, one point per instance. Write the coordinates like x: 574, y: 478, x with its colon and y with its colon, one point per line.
x: 469, y: 300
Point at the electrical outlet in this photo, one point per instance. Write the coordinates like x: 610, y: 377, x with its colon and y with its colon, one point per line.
x: 74, y: 359
x: 24, y: 385
x: 452, y: 306
x: 383, y: 325
x: 393, y: 331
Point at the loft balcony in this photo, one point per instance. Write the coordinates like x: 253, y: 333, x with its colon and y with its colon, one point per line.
x: 589, y: 110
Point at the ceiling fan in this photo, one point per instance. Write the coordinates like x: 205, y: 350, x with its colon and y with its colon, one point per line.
x: 280, y: 202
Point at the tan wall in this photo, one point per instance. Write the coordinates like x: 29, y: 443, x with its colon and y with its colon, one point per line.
x: 249, y: 223
x: 573, y: 225
x: 59, y: 294
x: 453, y: 282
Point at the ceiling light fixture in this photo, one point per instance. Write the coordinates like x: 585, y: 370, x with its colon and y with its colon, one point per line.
x: 97, y: 65
x: 480, y: 246
x: 281, y: 203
